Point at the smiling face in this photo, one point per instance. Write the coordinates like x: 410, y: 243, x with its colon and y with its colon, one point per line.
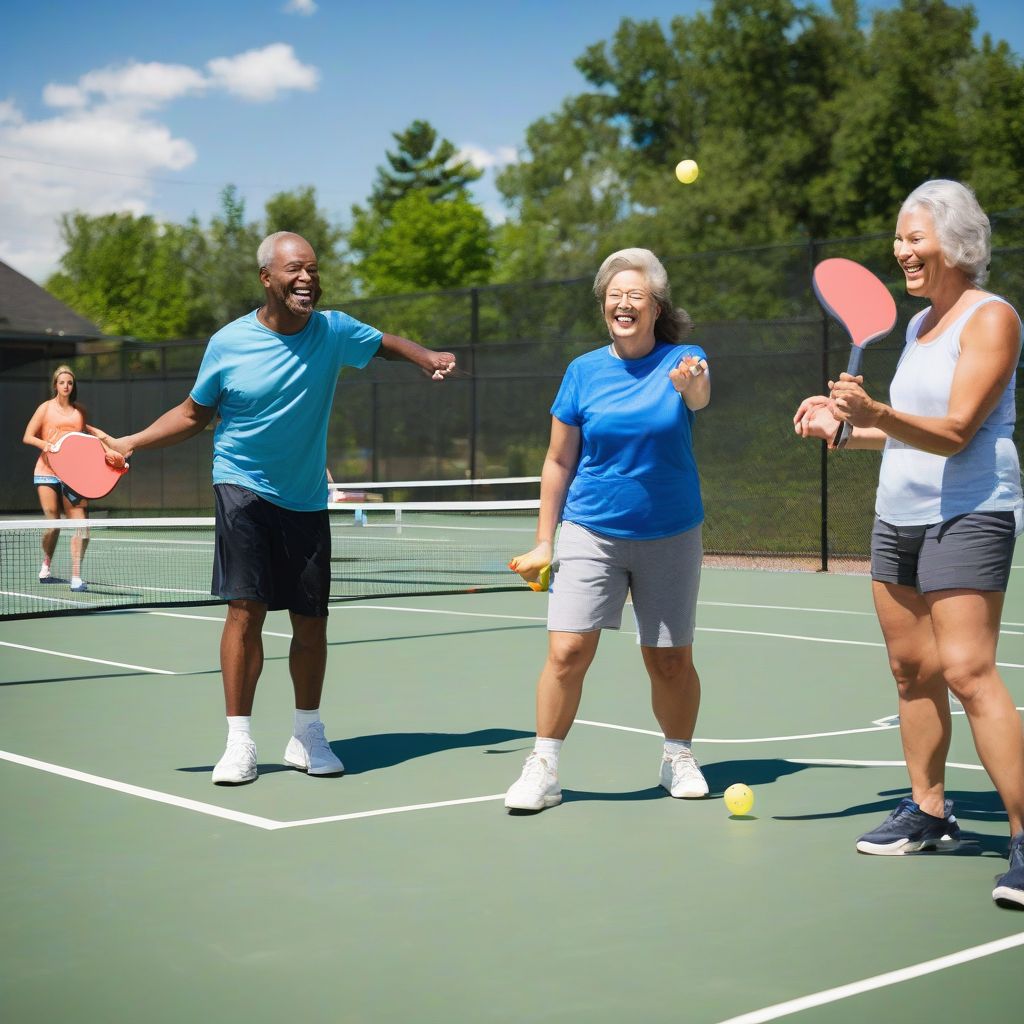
x: 292, y: 280
x: 919, y: 253
x: 64, y: 386
x: 630, y: 310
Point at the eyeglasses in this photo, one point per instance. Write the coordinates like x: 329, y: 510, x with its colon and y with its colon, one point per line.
x: 617, y: 297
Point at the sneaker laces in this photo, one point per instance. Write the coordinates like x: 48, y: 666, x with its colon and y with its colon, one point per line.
x: 684, y: 764
x: 242, y: 748
x: 1016, y: 857
x: 905, y: 806
x: 536, y: 769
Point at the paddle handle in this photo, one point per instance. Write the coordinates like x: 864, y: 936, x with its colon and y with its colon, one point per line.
x: 842, y: 435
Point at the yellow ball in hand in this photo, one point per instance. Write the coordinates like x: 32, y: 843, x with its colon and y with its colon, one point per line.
x: 739, y: 799
x: 687, y: 171
x: 543, y: 580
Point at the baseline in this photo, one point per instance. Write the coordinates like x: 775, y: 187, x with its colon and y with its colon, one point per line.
x: 856, y: 988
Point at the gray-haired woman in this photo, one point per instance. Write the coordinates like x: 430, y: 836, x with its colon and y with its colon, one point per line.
x: 621, y: 476
x: 948, y: 511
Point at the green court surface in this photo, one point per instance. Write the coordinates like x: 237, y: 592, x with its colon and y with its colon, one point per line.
x: 135, y: 890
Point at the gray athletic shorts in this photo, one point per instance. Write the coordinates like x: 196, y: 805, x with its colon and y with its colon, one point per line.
x: 969, y: 552
x: 592, y: 574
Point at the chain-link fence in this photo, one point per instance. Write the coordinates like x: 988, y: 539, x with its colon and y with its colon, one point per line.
x: 766, y: 492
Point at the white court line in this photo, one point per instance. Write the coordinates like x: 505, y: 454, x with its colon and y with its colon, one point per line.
x: 391, y: 810
x: 856, y: 988
x: 213, y: 618
x: 756, y: 739
x: 139, y: 791
x: 845, y: 762
x: 95, y: 661
x: 257, y: 821
x: 783, y: 608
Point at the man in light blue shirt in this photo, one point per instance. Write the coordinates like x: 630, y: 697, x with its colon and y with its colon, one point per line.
x: 270, y: 376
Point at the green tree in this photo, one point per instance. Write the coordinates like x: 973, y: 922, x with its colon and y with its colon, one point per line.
x: 420, y: 229
x: 803, y: 122
x: 231, y: 278
x: 130, y: 275
x: 429, y: 245
x: 422, y: 162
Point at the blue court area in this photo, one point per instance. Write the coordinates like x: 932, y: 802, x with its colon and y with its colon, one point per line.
x: 134, y: 889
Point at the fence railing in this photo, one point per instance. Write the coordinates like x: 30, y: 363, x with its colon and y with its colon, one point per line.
x: 767, y: 493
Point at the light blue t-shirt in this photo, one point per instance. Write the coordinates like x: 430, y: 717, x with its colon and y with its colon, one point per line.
x: 919, y: 488
x: 274, y: 393
x: 636, y: 476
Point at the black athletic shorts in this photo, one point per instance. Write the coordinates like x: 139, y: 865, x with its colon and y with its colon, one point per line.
x: 270, y: 554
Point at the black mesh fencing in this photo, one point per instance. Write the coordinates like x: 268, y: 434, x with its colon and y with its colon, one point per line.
x: 767, y: 493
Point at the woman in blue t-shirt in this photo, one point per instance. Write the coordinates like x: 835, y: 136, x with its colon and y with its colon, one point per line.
x: 948, y: 509
x: 621, y: 477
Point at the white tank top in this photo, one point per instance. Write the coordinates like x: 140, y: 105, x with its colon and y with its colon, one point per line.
x: 917, y: 488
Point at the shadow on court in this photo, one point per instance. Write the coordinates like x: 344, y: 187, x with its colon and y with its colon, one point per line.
x: 385, y: 750
x: 75, y: 679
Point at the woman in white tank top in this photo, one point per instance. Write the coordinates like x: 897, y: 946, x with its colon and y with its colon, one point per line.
x: 949, y: 506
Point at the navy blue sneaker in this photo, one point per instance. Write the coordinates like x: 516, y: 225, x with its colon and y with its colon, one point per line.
x: 1009, y: 890
x: 908, y: 829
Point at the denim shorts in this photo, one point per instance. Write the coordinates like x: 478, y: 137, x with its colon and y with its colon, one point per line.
x: 59, y: 486
x: 968, y: 552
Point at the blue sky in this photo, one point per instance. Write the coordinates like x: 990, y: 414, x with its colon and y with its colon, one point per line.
x: 110, y: 105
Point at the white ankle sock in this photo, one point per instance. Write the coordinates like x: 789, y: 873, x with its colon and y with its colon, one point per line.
x: 673, y: 747
x: 239, y: 725
x: 304, y: 719
x: 549, y: 749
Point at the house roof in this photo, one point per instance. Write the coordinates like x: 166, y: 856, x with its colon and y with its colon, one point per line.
x: 30, y: 314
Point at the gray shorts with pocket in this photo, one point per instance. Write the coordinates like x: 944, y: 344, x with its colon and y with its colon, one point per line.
x: 968, y: 552
x: 592, y: 575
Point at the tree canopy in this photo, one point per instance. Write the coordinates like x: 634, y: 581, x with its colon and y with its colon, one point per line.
x: 806, y: 121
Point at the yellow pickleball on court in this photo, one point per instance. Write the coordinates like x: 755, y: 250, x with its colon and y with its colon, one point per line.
x: 739, y: 799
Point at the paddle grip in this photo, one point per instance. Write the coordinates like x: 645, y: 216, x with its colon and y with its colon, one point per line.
x: 842, y: 435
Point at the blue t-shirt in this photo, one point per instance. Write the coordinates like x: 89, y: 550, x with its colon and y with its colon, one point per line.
x: 274, y: 393
x: 636, y: 475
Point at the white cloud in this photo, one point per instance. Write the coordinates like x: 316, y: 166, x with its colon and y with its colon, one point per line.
x: 262, y: 74
x: 38, y: 186
x: 108, y: 120
x: 150, y: 84
x: 9, y: 113
x: 306, y: 7
x: 56, y: 95
x: 485, y: 159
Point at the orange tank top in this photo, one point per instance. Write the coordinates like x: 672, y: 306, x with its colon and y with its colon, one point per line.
x: 56, y: 423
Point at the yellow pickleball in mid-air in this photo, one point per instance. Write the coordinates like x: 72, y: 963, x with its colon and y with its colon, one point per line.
x: 687, y: 171
x: 739, y: 799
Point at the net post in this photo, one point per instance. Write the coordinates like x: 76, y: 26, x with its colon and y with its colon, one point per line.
x: 812, y: 253
x: 474, y: 338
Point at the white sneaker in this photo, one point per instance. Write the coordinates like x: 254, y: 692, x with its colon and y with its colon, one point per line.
x: 535, y: 789
x: 238, y: 764
x: 312, y: 753
x: 682, y: 777
x: 78, y: 585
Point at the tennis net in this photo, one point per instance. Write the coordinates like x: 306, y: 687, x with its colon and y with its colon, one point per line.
x: 379, y: 549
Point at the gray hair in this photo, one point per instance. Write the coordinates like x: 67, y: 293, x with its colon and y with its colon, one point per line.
x: 673, y: 323
x: 265, y: 253
x: 962, y: 228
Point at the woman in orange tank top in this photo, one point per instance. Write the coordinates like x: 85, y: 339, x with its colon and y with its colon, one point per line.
x: 56, y: 417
